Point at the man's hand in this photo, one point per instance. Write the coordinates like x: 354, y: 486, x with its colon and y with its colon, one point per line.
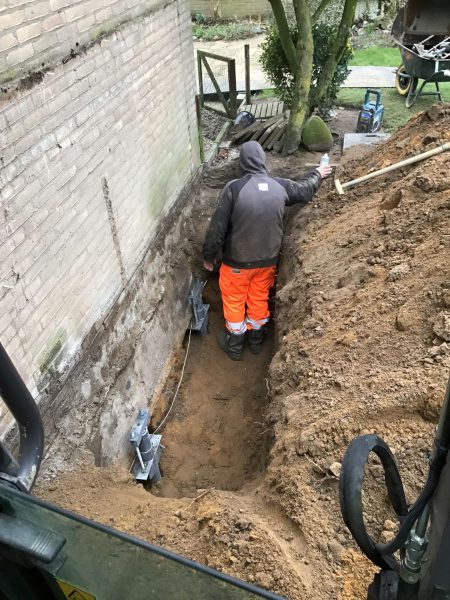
x: 324, y: 171
x: 209, y: 266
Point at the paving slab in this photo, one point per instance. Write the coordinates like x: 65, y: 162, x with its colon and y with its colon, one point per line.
x: 356, y: 139
x: 370, y: 77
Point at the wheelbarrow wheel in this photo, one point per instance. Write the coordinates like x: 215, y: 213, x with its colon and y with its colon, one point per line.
x: 403, y: 81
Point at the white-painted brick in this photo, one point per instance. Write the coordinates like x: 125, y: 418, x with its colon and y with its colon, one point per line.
x: 11, y: 19
x: 36, y: 10
x: 57, y: 4
x: 53, y: 21
x: 103, y: 15
x: 15, y: 3
x: 20, y: 55
x: 9, y: 40
x: 29, y: 32
x: 86, y: 23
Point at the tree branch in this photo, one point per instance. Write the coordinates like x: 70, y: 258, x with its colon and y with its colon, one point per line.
x: 302, y: 78
x: 285, y: 34
x: 319, y: 10
x: 338, y: 47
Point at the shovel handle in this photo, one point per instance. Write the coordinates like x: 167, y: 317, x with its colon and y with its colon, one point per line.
x: 394, y: 167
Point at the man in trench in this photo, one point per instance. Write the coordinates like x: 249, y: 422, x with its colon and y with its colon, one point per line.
x: 247, y: 227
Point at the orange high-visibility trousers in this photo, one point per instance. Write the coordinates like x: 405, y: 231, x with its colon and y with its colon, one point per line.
x: 245, y: 296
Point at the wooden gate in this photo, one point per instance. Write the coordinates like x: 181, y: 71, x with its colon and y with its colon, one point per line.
x: 217, y: 83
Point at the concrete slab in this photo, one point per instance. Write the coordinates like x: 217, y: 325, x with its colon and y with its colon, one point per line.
x: 371, y: 77
x: 358, y: 139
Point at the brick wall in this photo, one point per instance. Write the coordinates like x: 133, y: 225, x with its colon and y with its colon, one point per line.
x: 33, y: 32
x: 94, y: 154
x: 228, y: 9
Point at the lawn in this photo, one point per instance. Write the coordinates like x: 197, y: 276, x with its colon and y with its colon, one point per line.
x: 395, y: 112
x: 376, y: 56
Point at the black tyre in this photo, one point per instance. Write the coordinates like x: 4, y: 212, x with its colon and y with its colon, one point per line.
x: 402, y: 81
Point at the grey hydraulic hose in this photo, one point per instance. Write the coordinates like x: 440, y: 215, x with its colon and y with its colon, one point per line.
x: 23, y: 408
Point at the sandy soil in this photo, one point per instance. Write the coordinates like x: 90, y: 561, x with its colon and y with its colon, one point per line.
x: 362, y: 332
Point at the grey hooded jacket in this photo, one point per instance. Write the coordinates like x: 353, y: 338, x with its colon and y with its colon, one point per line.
x: 248, y: 222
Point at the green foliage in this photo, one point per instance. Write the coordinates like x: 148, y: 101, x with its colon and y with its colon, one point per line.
x: 275, y: 65
x: 199, y: 18
x: 224, y: 31
x: 324, y: 36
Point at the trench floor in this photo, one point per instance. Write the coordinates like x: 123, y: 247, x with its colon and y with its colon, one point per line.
x: 215, y: 436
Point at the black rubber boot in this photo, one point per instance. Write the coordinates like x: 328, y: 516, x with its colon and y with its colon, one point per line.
x: 256, y: 339
x: 231, y: 344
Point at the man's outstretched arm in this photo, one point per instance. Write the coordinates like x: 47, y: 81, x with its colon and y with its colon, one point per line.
x: 302, y: 191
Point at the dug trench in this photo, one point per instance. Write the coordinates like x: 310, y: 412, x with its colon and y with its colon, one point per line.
x: 216, y: 436
x: 210, y: 504
x: 361, y: 344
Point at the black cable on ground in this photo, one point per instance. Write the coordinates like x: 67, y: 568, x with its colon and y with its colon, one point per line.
x: 350, y: 492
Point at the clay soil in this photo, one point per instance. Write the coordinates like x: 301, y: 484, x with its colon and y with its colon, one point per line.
x: 361, y: 343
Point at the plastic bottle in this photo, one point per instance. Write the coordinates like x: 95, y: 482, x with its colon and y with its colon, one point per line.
x: 325, y: 160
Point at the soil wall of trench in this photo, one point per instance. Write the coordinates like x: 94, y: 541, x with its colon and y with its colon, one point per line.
x: 361, y: 344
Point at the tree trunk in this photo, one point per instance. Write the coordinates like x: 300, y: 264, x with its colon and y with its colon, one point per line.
x: 285, y: 35
x: 339, y: 45
x: 302, y: 78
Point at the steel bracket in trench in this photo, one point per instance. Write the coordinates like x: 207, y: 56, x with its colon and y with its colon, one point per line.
x: 148, y: 449
x: 199, y: 320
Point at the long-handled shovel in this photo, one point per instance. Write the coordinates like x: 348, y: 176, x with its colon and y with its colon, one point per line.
x: 341, y: 187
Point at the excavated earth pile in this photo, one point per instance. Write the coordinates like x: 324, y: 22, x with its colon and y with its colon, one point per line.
x: 362, y: 344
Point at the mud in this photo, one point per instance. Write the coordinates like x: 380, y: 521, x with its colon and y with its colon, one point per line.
x: 361, y: 326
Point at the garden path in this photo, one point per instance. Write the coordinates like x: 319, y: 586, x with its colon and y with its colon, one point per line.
x: 360, y: 77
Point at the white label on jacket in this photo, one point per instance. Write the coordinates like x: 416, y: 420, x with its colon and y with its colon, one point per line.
x: 263, y: 187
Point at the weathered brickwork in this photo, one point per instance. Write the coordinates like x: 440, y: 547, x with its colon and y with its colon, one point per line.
x: 36, y: 32
x: 229, y: 9
x: 92, y: 158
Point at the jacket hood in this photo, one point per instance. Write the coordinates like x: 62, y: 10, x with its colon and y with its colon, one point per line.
x: 252, y: 158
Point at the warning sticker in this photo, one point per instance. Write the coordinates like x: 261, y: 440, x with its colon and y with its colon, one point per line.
x: 74, y: 593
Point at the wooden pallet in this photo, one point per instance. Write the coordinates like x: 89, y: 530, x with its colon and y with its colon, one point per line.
x: 268, y: 133
x: 264, y: 110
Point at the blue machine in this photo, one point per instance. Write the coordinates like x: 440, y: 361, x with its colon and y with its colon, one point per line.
x: 370, y: 116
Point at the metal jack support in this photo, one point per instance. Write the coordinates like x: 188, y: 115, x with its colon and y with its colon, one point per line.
x: 148, y: 449
x: 199, y: 320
